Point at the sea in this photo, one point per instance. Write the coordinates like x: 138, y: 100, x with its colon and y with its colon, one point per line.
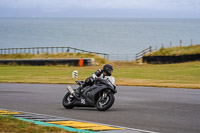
x: 119, y: 37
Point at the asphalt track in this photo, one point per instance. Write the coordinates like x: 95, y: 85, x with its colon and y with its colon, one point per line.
x: 164, y: 110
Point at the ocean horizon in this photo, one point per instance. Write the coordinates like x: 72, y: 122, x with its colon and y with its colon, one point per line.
x: 115, y: 36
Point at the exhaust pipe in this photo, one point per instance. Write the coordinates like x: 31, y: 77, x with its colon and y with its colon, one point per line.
x: 69, y: 88
x: 72, y: 92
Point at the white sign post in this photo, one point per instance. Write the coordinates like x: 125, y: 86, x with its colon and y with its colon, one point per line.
x: 75, y: 74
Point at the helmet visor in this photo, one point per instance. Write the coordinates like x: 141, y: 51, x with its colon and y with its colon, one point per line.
x: 110, y: 71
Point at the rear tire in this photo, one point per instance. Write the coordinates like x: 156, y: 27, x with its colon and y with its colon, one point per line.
x: 103, y: 105
x: 68, y: 101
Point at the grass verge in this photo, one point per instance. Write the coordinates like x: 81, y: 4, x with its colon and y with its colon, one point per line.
x: 182, y: 75
x: 175, y: 51
x: 98, y: 59
x: 12, y: 125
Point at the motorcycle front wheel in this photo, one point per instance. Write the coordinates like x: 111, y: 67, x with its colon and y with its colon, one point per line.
x: 68, y: 101
x: 105, y: 101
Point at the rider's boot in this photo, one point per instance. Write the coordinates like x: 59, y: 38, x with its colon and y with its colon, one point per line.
x: 78, y: 90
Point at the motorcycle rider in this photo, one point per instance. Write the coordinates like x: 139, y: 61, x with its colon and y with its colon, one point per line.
x: 107, y: 71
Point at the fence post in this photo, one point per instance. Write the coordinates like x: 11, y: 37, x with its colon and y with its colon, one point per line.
x: 56, y: 49
x: 38, y: 52
x: 162, y: 45
x: 52, y: 50
x: 191, y: 42
x: 170, y: 43
x: 62, y: 50
x: 181, y: 43
x: 68, y: 49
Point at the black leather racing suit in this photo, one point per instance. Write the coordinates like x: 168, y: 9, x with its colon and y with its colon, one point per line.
x: 90, y: 80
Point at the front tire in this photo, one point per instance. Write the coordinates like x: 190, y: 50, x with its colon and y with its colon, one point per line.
x: 105, y: 103
x: 68, y: 101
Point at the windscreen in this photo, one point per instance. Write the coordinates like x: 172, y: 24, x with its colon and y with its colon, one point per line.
x: 111, y: 79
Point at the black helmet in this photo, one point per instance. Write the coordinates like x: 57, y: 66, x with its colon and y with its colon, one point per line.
x: 108, y: 69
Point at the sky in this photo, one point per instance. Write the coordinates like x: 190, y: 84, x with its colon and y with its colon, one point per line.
x: 101, y: 8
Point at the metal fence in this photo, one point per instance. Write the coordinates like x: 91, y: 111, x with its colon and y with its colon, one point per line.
x: 143, y: 52
x: 52, y: 50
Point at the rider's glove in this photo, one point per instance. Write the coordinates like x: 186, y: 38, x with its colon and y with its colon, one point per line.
x: 94, y: 76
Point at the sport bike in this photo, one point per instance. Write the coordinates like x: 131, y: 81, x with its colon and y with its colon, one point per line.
x: 99, y: 95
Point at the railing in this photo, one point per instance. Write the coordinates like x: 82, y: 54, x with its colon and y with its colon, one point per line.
x: 38, y: 50
x: 143, y: 52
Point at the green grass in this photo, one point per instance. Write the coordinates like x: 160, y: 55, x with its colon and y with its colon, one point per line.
x: 187, y: 50
x: 182, y: 75
x: 98, y: 60
x: 13, y: 125
x: 185, y: 75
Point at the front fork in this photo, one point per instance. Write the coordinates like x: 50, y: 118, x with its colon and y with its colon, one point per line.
x: 103, y: 95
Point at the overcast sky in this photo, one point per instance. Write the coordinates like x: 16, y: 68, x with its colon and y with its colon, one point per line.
x: 101, y: 8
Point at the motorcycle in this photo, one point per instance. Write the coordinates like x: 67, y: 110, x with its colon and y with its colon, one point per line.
x: 99, y: 95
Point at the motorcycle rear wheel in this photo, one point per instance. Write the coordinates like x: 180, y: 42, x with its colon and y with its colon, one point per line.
x: 105, y: 104
x: 67, y: 101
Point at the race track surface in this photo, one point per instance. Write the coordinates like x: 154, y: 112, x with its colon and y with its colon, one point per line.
x: 165, y: 110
